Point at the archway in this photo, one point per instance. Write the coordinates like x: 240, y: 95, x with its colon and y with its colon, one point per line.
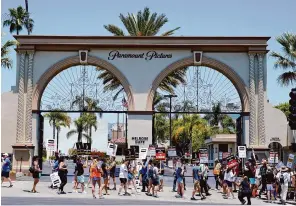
x: 95, y: 97
x: 210, y: 95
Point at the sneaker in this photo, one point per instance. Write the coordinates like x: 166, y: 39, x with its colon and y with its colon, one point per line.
x: 208, y: 194
x: 119, y: 194
x: 128, y: 194
x: 156, y: 196
x: 101, y: 197
x: 178, y: 196
x: 75, y: 191
x: 84, y: 192
x: 114, y: 188
x: 10, y: 185
x: 203, y: 198
x: 193, y: 198
x: 244, y: 202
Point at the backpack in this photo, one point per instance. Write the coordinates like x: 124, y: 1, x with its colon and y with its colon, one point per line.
x: 31, y: 169
x: 150, y: 172
x: 282, y: 181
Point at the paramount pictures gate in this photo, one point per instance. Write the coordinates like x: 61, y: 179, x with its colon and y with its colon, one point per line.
x: 136, y: 68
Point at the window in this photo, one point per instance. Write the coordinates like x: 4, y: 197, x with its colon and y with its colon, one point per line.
x: 223, y: 147
x: 119, y: 151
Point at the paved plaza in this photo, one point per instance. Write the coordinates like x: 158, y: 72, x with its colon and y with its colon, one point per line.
x: 20, y: 195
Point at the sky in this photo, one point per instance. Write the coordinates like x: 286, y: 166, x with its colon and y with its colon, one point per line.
x: 195, y: 17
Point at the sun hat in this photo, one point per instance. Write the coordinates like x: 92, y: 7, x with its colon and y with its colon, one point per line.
x: 284, y: 169
x: 5, y: 154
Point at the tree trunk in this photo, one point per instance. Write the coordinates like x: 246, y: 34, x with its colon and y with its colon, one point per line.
x: 54, y: 127
x: 90, y: 132
x: 58, y: 132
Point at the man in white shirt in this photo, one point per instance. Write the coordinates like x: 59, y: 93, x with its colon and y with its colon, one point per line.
x: 123, y: 178
x: 284, y: 179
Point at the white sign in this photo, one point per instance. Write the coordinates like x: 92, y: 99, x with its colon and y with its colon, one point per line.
x: 170, y: 164
x: 203, y: 156
x: 172, y: 152
x: 273, y: 158
x: 151, y: 152
x: 50, y: 144
x: 143, y: 153
x: 242, y: 151
x: 55, y: 179
x: 112, y: 149
x: 290, y: 161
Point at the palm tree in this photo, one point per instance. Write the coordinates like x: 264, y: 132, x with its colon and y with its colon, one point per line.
x: 87, y: 104
x: 56, y: 117
x: 90, y: 123
x: 6, y: 62
x: 60, y: 124
x: 80, y: 125
x: 215, y: 117
x: 228, y: 125
x: 142, y: 24
x: 287, y: 60
x: 18, y: 18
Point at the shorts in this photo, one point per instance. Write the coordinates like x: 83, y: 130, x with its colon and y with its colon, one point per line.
x: 94, y: 179
x: 80, y: 179
x: 155, y: 182
x: 112, y: 175
x: 180, y: 180
x: 160, y: 177
x: 123, y: 180
x: 196, y: 184
x: 5, y: 174
x: 269, y: 187
x: 252, y: 181
x: 229, y: 184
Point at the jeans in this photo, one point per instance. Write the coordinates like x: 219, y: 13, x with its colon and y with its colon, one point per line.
x: 284, y: 193
x: 217, y: 181
x: 63, y: 182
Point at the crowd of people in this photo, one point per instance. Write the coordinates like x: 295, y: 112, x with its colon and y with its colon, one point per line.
x: 250, y: 180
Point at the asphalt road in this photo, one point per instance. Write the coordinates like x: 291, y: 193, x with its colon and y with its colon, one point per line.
x: 87, y: 201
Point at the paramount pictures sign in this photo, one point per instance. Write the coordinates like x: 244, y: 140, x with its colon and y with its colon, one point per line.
x: 145, y: 55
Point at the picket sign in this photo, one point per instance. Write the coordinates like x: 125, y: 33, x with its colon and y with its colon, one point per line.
x: 55, y: 179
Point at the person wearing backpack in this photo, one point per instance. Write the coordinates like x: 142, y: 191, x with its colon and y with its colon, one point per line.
x: 6, y: 168
x: 149, y: 176
x: 284, y: 179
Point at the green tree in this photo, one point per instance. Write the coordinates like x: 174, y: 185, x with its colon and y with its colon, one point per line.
x: 18, y: 18
x: 90, y: 123
x: 6, y: 61
x: 161, y: 126
x: 80, y: 126
x: 215, y: 117
x: 142, y: 24
x: 286, y: 60
x: 284, y: 107
x: 57, y: 118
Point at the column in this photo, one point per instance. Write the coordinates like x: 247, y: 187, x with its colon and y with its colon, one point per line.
x: 252, y: 121
x: 21, y: 101
x: 139, y: 129
x: 261, y: 121
x: 28, y: 137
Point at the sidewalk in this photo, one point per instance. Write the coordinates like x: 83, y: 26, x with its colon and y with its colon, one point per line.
x: 22, y: 188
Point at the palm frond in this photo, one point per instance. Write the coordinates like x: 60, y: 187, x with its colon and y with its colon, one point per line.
x: 170, y: 32
x: 114, y: 30
x: 71, y: 133
x: 282, y: 62
x: 287, y: 78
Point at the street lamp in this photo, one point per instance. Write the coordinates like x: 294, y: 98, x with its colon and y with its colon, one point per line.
x: 170, y: 96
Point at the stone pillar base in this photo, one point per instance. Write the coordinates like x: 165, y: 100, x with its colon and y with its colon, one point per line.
x: 22, y: 158
x: 139, y: 129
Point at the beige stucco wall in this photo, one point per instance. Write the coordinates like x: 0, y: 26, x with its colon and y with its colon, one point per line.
x: 275, y: 125
x: 8, y: 121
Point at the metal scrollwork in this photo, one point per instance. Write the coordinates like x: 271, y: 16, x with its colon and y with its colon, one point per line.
x: 204, y: 88
x: 70, y: 89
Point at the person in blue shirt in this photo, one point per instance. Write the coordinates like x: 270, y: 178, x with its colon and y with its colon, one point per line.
x: 144, y: 178
x: 6, y: 167
x: 55, y: 167
x: 196, y: 170
x: 180, y: 182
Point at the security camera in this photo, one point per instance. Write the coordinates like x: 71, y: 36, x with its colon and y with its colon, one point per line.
x: 83, y: 56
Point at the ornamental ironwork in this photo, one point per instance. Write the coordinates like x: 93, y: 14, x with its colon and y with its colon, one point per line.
x: 203, y: 88
x: 70, y: 89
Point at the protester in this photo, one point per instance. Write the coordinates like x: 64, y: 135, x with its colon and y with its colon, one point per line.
x: 161, y: 173
x: 180, y: 183
x: 144, y: 178
x: 123, y: 178
x: 203, y: 182
x: 270, y: 180
x: 79, y: 177
x: 245, y: 191
x: 95, y: 176
x: 196, y: 180
x: 36, y: 173
x: 63, y: 171
x: 55, y: 167
x: 155, y: 180
x: 262, y: 173
x: 150, y: 176
x: 6, y: 168
x: 105, y: 171
x: 229, y: 179
x: 112, y: 173
x: 216, y: 172
x: 284, y: 179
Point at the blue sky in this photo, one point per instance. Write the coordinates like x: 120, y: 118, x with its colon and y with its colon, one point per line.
x: 195, y: 17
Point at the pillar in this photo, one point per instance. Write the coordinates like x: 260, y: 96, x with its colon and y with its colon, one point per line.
x: 23, y: 150
x: 261, y: 100
x: 252, y: 120
x: 139, y: 128
x: 28, y: 137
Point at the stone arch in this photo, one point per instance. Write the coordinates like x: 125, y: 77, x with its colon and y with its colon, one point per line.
x: 74, y: 61
x: 208, y: 62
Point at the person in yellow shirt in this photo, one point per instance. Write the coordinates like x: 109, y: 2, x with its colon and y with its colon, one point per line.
x: 217, y: 172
